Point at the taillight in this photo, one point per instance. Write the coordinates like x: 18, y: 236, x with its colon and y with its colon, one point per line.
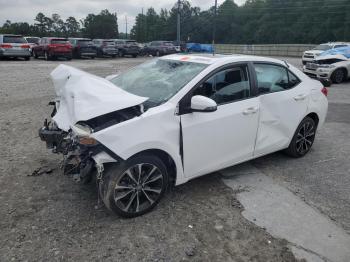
x: 324, y: 91
x: 50, y: 46
x: 25, y: 46
x: 5, y: 46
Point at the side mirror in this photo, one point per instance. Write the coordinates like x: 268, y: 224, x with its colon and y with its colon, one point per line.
x: 203, y: 104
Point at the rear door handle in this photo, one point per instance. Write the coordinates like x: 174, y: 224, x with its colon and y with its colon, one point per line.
x: 250, y: 111
x: 300, y: 97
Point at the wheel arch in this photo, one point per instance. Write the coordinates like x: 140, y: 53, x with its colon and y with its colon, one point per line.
x: 314, y: 117
x: 166, y: 159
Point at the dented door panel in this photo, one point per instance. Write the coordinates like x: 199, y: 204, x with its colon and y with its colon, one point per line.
x: 280, y: 114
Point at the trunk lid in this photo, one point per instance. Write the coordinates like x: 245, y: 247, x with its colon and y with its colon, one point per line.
x: 83, y: 96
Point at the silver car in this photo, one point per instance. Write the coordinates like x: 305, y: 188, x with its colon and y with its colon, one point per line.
x: 105, y: 47
x: 14, y: 46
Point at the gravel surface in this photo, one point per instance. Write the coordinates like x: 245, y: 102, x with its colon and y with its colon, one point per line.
x: 50, y: 218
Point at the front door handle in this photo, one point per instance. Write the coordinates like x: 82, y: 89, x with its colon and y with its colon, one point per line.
x: 250, y: 111
x: 300, y: 97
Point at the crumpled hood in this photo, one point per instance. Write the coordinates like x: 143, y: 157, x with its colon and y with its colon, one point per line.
x: 326, y: 57
x: 84, y: 96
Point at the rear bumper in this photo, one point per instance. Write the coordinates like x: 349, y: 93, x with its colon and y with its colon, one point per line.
x: 14, y: 53
x: 61, y: 54
x: 109, y: 52
x: 90, y: 54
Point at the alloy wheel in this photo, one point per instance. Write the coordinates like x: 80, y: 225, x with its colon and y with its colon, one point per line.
x: 138, y: 188
x: 339, y: 76
x: 305, y: 138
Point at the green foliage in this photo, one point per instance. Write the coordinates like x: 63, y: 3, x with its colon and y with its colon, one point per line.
x: 103, y: 25
x: 256, y: 22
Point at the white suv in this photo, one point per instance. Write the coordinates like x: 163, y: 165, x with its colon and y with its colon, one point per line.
x: 311, y: 55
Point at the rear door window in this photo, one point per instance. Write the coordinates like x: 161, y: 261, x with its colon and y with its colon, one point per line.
x: 274, y: 78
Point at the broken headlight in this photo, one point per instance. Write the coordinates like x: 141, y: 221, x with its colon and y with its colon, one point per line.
x: 82, y: 135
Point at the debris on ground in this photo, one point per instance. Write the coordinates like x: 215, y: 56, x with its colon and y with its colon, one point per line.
x: 41, y: 171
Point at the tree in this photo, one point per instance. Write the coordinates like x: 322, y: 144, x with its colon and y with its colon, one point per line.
x: 103, y: 25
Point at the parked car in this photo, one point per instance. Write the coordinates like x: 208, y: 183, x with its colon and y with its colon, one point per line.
x: 159, y: 48
x: 32, y: 41
x: 83, y: 47
x: 14, y: 46
x: 333, y: 65
x: 175, y: 118
x: 179, y: 46
x: 105, y: 47
x: 310, y: 55
x: 127, y: 47
x: 53, y: 47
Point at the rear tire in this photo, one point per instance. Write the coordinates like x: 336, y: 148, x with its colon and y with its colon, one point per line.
x: 26, y: 58
x: 35, y: 55
x: 303, y: 138
x: 134, y: 187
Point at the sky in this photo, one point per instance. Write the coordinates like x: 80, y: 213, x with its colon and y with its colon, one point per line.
x: 26, y: 10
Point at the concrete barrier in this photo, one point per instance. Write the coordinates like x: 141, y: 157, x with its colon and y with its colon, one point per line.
x: 292, y: 50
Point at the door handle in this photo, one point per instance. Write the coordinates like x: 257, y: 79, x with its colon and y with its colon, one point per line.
x: 300, y: 97
x: 250, y: 111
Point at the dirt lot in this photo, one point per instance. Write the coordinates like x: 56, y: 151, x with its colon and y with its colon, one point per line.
x: 49, y: 218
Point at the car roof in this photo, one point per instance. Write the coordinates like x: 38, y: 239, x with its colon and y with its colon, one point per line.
x: 221, y: 58
x: 79, y: 38
x: 58, y: 38
x: 11, y: 35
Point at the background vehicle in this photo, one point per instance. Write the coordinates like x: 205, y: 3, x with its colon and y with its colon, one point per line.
x: 53, y: 47
x: 197, y: 115
x: 83, y: 47
x: 159, y: 48
x: 105, y: 47
x: 310, y: 55
x: 331, y: 65
x: 127, y: 47
x: 14, y: 46
x: 32, y: 41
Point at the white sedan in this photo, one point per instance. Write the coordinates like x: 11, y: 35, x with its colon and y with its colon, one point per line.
x: 178, y: 117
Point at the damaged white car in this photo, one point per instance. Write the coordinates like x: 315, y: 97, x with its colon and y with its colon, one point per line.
x: 178, y: 117
x: 331, y: 65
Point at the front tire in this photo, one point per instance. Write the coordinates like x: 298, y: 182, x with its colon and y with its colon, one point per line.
x: 134, y: 187
x: 303, y: 138
x: 338, y: 76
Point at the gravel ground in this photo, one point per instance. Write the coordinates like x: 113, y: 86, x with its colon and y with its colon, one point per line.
x: 49, y: 218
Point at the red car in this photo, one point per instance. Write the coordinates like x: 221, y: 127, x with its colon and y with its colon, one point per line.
x: 53, y: 47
